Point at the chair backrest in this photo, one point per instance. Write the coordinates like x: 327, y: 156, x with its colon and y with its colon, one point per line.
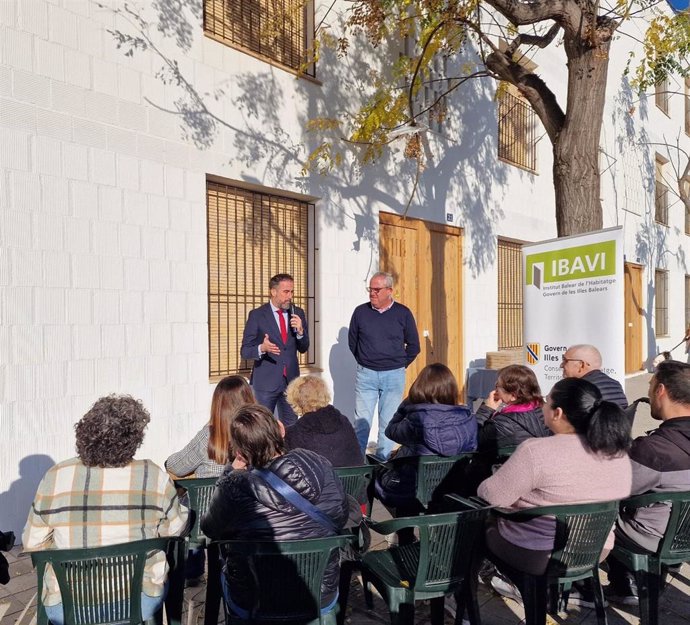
x: 675, y: 544
x: 100, y: 585
x: 285, y: 576
x: 356, y: 481
x: 439, y: 475
x: 199, y: 490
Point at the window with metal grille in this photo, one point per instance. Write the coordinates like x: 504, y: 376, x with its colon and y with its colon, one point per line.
x: 660, y: 193
x: 661, y: 302
x: 662, y: 94
x: 509, y: 294
x: 517, y: 132
x: 251, y: 237
x: 280, y: 30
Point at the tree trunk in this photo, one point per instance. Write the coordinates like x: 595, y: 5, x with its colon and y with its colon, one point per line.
x: 576, y: 148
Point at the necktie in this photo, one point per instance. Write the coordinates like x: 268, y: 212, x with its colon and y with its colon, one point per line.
x: 283, y: 334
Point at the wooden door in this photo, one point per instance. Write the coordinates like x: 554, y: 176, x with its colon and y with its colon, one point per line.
x: 633, y: 318
x: 426, y: 261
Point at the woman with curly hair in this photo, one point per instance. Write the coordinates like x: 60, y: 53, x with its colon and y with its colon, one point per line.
x: 105, y: 497
x: 207, y: 453
x: 321, y: 427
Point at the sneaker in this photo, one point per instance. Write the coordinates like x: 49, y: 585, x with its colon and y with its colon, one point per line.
x: 583, y: 597
x: 505, y: 588
x: 624, y: 593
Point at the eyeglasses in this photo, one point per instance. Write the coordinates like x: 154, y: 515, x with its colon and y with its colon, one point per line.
x: 565, y: 360
x: 376, y: 291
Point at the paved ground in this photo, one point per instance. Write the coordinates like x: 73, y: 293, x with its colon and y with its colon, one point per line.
x: 18, y: 598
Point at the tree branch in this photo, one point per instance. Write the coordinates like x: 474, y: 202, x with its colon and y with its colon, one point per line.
x: 541, y: 41
x: 525, y: 13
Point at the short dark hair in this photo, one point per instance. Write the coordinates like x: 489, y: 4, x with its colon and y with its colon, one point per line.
x: 520, y: 381
x: 604, y: 425
x: 278, y: 278
x: 675, y: 376
x: 435, y: 384
x: 110, y: 433
x: 255, y: 434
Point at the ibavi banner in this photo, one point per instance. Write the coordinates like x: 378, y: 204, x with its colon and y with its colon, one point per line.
x: 574, y: 293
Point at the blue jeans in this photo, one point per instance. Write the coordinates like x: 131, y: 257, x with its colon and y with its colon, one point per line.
x: 371, y: 387
x: 271, y: 399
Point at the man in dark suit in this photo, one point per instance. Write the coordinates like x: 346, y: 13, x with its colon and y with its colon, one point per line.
x: 273, y: 335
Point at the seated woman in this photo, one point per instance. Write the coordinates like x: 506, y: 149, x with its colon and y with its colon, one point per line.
x: 321, y: 427
x: 585, y: 461
x: 207, y: 453
x: 110, y: 497
x: 428, y: 422
x: 244, y: 506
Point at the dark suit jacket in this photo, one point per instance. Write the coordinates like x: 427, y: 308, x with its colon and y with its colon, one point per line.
x: 267, y: 374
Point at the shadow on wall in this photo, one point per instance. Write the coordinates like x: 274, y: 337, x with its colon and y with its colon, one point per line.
x: 343, y: 368
x: 16, y: 501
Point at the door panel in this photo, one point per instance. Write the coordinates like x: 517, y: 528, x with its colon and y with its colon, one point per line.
x: 633, y: 318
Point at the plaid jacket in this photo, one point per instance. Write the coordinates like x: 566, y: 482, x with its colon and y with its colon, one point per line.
x: 79, y: 506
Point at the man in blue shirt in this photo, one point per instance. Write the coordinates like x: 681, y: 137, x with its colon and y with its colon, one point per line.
x: 384, y: 341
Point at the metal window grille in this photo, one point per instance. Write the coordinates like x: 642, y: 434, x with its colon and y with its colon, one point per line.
x: 661, y: 302
x: 662, y: 94
x: 509, y: 295
x: 661, y: 202
x: 251, y: 237
x: 281, y: 30
x: 517, y: 134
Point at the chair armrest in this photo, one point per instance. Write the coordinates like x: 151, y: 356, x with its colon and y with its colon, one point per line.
x: 640, y: 501
x: 531, y: 513
x: 466, y: 503
x: 392, y: 525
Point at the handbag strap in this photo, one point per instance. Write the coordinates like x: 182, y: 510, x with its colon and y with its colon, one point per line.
x: 296, y: 499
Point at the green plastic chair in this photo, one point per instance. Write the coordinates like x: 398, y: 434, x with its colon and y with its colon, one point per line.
x: 674, y: 548
x: 443, y: 562
x: 357, y: 482
x: 109, y: 578
x: 581, y: 532
x: 286, y: 579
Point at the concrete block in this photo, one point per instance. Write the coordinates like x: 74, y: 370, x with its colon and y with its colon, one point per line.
x: 85, y: 271
x: 107, y: 376
x: 70, y: 99
x: 182, y: 275
x: 111, y: 270
x: 195, y: 186
x: 176, y: 307
x: 26, y: 267
x: 177, y: 154
x: 8, y: 13
x: 47, y: 156
x: 53, y: 382
x: 81, y: 377
x: 183, y: 338
x: 104, y: 76
x: 49, y: 306
x: 27, y: 344
x: 102, y: 165
x: 5, y: 272
x: 200, y: 337
x: 154, y: 306
x: 54, y: 195
x: 14, y: 150
x: 183, y: 398
x: 105, y: 239
x: 78, y: 306
x: 57, y: 343
x: 110, y: 205
x: 127, y: 172
x: 18, y: 305
x: 122, y: 141
x: 137, y: 340
x: 197, y: 309
x: 75, y: 160
x: 77, y: 235
x: 56, y: 269
x: 78, y: 7
x: 174, y: 182
x: 197, y: 248
x: 32, y: 88
x: 131, y: 307
x: 106, y: 308
x: 87, y: 341
x: 175, y: 245
x: 62, y: 26
x: 132, y: 116
x: 150, y: 147
x: 25, y: 191
x: 152, y: 177
x: 159, y: 271
x: 84, y: 200
x: 78, y: 68
x: 91, y: 134
x: 180, y: 215
x: 153, y: 242
x: 163, y: 124
x: 161, y: 338
x: 128, y: 84
x: 18, y: 115
x: 20, y: 384
x: 158, y: 211
x: 16, y: 229
x: 130, y: 241
x: 113, y: 340
x: 133, y: 375
x: 136, y: 274
x: 178, y: 369
x: 5, y: 80
x: 50, y: 59
x: 135, y: 208
x: 90, y: 35
x: 47, y: 231
x: 55, y: 125
x: 17, y: 49
x: 33, y: 18
x: 156, y: 371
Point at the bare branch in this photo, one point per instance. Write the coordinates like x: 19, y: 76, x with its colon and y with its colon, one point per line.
x: 524, y: 13
x: 541, y: 41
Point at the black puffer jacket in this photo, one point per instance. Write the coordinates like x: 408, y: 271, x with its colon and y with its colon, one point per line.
x: 245, y: 507
x: 610, y: 389
x: 506, y: 429
x: 327, y: 432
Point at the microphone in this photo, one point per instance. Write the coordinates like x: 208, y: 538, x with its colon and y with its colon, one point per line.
x: 292, y: 312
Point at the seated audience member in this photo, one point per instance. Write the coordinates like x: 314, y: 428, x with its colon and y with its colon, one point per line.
x: 584, y: 361
x: 246, y: 505
x: 660, y: 462
x: 110, y: 497
x: 585, y: 461
x: 428, y: 422
x: 207, y: 453
x: 321, y: 427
